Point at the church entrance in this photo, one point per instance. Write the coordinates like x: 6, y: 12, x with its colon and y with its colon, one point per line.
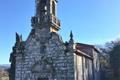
x: 42, y: 79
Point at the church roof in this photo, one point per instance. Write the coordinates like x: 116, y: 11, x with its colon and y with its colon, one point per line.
x: 81, y: 46
x: 85, y: 50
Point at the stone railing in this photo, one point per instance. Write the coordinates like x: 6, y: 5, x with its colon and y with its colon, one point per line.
x: 43, y: 19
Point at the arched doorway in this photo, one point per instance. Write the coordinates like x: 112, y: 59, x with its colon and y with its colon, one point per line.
x: 42, y: 78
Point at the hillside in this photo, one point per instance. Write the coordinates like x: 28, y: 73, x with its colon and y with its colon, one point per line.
x: 4, y: 74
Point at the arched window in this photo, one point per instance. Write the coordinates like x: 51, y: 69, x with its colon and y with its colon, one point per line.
x: 53, y: 8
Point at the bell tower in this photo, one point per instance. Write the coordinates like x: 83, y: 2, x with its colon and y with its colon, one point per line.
x: 46, y: 15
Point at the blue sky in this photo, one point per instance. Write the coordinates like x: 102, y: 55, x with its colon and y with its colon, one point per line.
x: 92, y: 21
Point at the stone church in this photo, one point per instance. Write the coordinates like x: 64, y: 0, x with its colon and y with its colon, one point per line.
x: 44, y: 55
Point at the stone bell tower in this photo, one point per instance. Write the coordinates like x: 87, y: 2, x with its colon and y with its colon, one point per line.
x: 46, y: 15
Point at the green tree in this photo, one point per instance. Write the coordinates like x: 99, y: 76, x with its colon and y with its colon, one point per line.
x: 113, y: 50
x: 115, y: 60
x: 110, y: 60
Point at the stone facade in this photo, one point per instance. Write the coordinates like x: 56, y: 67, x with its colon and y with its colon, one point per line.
x: 44, y: 55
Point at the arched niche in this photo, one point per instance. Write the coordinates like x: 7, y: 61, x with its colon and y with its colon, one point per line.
x: 43, y: 69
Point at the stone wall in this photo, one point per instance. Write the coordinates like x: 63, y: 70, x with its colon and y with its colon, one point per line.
x: 96, y: 64
x: 45, y: 57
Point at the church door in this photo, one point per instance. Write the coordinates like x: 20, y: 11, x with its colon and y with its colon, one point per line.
x: 42, y: 79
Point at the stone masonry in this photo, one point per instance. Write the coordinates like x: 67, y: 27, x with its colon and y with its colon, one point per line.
x: 44, y: 55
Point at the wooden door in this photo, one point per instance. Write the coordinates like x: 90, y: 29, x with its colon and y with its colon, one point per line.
x: 42, y: 79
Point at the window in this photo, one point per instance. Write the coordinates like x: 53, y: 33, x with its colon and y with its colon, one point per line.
x: 43, y: 5
x: 86, y: 63
x: 53, y: 8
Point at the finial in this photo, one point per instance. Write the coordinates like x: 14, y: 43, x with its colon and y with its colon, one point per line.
x: 71, y: 35
x: 17, y: 37
x: 71, y: 38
